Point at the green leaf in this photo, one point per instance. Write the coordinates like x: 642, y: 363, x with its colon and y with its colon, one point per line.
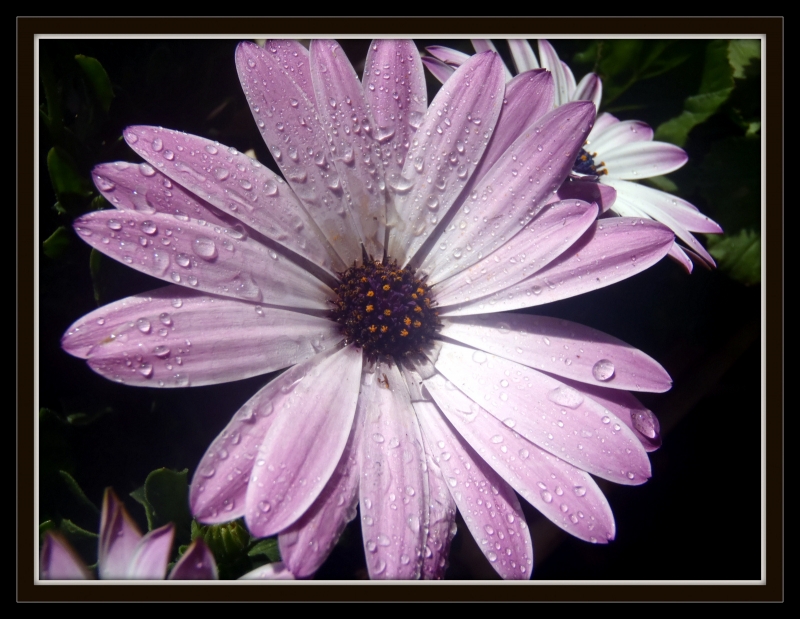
x: 139, y: 496
x: 738, y: 255
x: 267, y: 547
x: 77, y: 492
x: 47, y: 525
x: 56, y: 244
x: 663, y: 183
x: 167, y: 494
x: 64, y: 175
x: 71, y: 529
x: 741, y: 54
x: 98, y: 80
x: 715, y: 87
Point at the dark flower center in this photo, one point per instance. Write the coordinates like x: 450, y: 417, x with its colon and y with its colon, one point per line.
x: 584, y: 164
x: 384, y: 310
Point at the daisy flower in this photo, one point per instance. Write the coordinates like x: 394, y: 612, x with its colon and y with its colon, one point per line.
x: 615, y: 154
x: 381, y: 268
x: 125, y: 554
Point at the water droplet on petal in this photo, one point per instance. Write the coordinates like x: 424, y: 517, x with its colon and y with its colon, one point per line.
x: 205, y: 248
x: 603, y: 370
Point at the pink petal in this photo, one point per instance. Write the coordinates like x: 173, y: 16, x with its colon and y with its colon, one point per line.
x: 452, y: 137
x: 235, y: 184
x: 513, y: 191
x: 140, y: 187
x: 529, y: 96
x: 588, y: 191
x: 590, y: 88
x: 219, y: 485
x: 657, y: 203
x: 551, y: 62
x: 315, y: 403
x: 628, y: 409
x: 561, y: 347
x: 276, y: 82
x: 441, y: 520
x: 680, y: 256
x: 391, y: 492
x: 542, y: 240
x: 653, y: 204
x: 603, y: 122
x: 119, y: 539
x: 564, y: 494
x: 307, y: 543
x: 488, y: 505
x: 618, y: 134
x: 394, y: 87
x: 448, y: 55
x: 270, y: 571
x: 485, y: 45
x: 554, y: 416
x: 174, y: 337
x: 610, y: 251
x: 209, y: 258
x: 58, y: 561
x: 636, y: 160
x: 354, y: 140
x: 197, y: 563
x: 523, y: 55
x: 440, y: 70
x: 151, y: 558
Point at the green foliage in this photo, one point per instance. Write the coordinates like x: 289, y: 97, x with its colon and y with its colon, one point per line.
x: 235, y: 552
x: 741, y: 54
x: 266, y: 547
x: 98, y: 80
x: 738, y: 255
x: 56, y: 244
x: 165, y: 498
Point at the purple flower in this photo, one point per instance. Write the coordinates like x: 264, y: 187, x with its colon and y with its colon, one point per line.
x: 615, y: 152
x: 379, y: 270
x: 124, y: 553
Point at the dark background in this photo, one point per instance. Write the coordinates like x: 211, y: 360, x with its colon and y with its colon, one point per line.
x: 699, y: 517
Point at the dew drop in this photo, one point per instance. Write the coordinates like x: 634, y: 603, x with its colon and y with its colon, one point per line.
x: 143, y: 325
x: 603, y: 370
x: 205, y: 248
x: 646, y: 423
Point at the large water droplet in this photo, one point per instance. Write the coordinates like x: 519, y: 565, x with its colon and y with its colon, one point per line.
x: 565, y: 396
x: 646, y: 423
x: 205, y: 248
x: 603, y: 370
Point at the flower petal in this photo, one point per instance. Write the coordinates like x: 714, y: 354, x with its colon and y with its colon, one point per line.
x: 441, y: 520
x: 270, y: 571
x: 394, y: 87
x: 681, y: 257
x: 140, y: 187
x: 632, y: 200
x: 657, y: 203
x: 523, y: 55
x: 315, y: 403
x: 58, y: 561
x: 440, y: 70
x: 610, y: 251
x: 590, y: 88
x: 174, y: 337
x: 486, y: 45
x: 219, y: 486
x: 636, y: 160
x: 354, y: 141
x: 554, y: 416
x: 151, y: 558
x: 306, y: 544
x: 488, y: 505
x: 628, y: 409
x: 391, y: 492
x: 453, y: 135
x: 513, y: 191
x: 236, y: 184
x: 528, y: 97
x: 588, y: 191
x: 563, y: 493
x: 561, y: 347
x: 542, y: 240
x: 276, y: 81
x: 205, y: 257
x: 603, y: 122
x: 119, y: 539
x: 618, y: 134
x: 448, y: 55
x: 197, y: 563
x: 552, y: 63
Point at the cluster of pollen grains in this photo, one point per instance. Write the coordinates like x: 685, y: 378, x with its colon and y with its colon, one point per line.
x: 384, y: 310
x: 584, y: 164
